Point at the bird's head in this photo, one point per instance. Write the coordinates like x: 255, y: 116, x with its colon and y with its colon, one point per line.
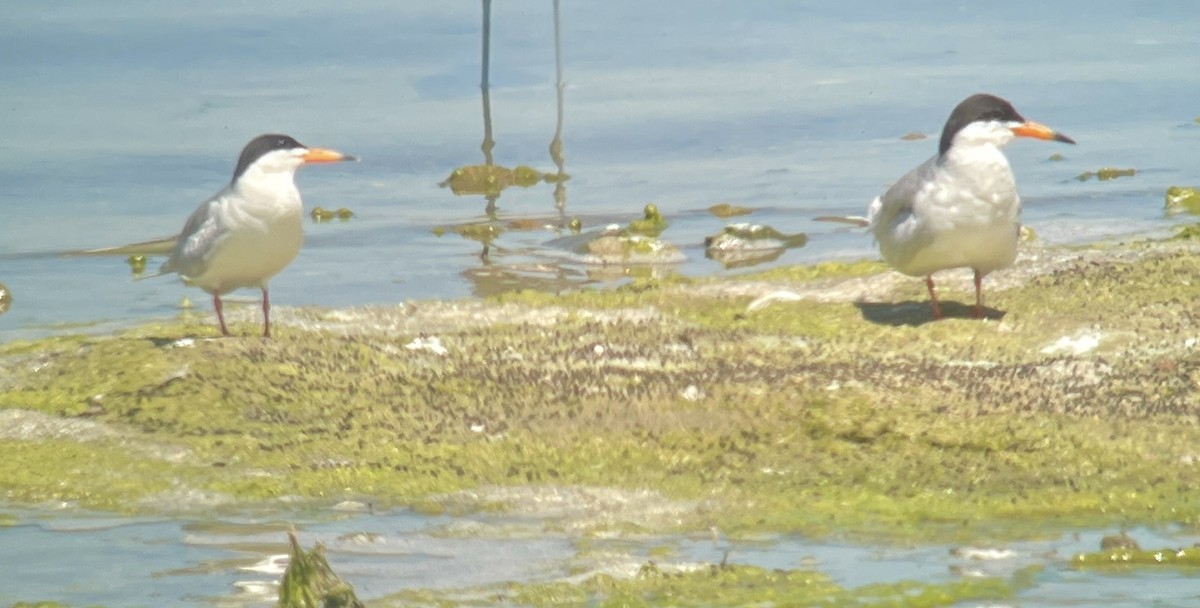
x: 986, y: 119
x: 275, y: 153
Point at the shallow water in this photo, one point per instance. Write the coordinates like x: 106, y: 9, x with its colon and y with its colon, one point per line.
x: 116, y: 125
x: 84, y: 558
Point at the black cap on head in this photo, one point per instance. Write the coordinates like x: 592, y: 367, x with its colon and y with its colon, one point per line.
x: 262, y: 145
x: 980, y: 106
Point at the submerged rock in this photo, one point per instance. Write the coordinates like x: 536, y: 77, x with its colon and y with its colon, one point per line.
x: 6, y: 298
x: 1119, y: 541
x: 739, y: 245
x: 616, y: 246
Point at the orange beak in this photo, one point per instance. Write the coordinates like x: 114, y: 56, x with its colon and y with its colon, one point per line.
x: 322, y: 155
x: 1040, y: 131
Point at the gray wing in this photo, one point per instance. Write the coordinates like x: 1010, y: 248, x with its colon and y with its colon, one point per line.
x: 898, y: 200
x: 200, y: 235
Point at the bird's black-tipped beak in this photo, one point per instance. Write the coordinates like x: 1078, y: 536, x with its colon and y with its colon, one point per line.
x: 322, y: 155
x: 1040, y: 131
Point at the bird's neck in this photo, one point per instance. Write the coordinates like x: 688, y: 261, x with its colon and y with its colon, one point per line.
x: 275, y: 188
x: 982, y: 170
x: 977, y: 159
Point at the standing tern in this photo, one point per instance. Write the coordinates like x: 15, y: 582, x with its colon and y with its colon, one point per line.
x: 250, y: 230
x: 959, y: 208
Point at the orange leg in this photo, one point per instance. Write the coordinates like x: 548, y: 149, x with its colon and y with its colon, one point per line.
x: 220, y: 314
x: 933, y: 301
x: 266, y: 313
x: 978, y: 295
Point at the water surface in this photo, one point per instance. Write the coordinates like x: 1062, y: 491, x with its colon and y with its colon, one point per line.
x: 118, y: 123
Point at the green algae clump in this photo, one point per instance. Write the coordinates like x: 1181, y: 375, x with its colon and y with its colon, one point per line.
x: 1130, y: 558
x: 309, y: 581
x: 651, y: 224
x: 726, y: 210
x: 321, y: 214
x: 489, y: 180
x: 1182, y: 199
x: 1105, y: 174
x: 733, y: 585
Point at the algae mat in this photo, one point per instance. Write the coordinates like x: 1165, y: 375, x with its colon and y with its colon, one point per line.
x: 845, y: 412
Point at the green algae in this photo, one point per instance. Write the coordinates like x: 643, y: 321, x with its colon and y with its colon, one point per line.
x: 137, y: 264
x: 728, y: 585
x: 726, y: 210
x: 1105, y: 174
x: 823, y: 270
x: 1182, y: 199
x: 806, y: 417
x: 98, y: 475
x: 490, y: 180
x: 1123, y: 559
x: 322, y: 215
x: 651, y: 224
x: 309, y: 581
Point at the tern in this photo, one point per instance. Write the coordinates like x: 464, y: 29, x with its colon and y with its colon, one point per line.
x: 250, y: 230
x: 960, y: 208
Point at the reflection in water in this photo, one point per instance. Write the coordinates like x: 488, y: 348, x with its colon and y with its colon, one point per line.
x: 490, y: 179
x: 484, y: 62
x: 556, y: 147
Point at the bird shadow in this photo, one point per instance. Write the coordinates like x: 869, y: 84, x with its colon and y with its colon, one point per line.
x: 914, y: 313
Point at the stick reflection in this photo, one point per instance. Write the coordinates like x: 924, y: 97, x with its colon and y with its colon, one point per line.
x: 491, y: 179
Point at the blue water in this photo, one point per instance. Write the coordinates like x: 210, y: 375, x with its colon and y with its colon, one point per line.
x: 117, y: 123
x: 82, y: 558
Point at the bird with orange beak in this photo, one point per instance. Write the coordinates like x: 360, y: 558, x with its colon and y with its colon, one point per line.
x: 250, y: 230
x: 960, y: 208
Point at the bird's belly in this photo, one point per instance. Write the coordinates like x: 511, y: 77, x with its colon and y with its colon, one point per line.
x: 250, y: 256
x: 981, y: 235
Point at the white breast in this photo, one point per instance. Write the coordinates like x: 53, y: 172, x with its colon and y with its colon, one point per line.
x: 261, y: 233
x: 960, y: 210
